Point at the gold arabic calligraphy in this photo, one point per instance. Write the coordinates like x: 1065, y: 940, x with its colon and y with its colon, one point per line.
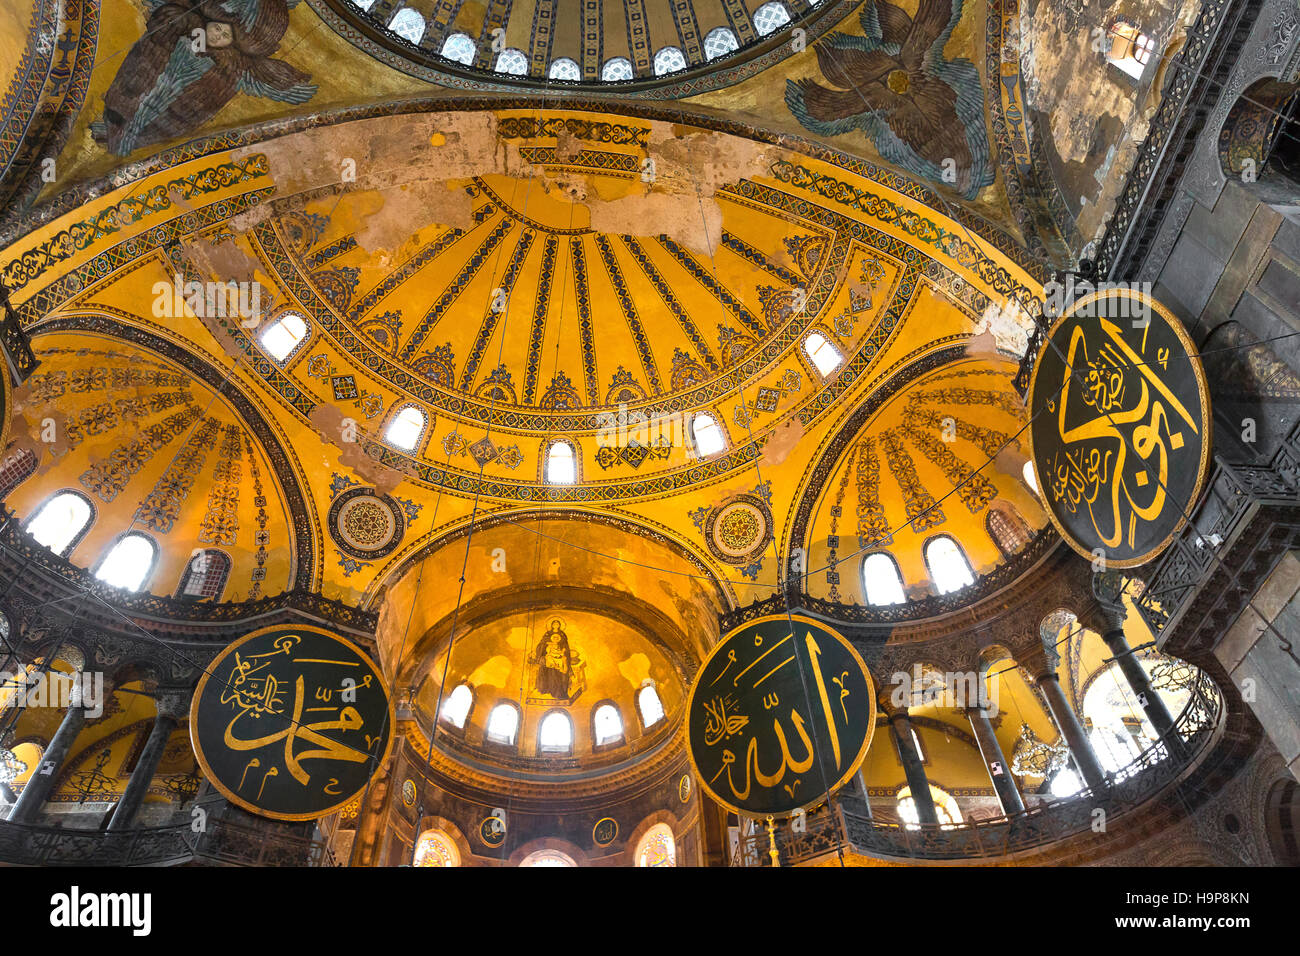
x: 256, y: 692
x: 1094, y: 467
x: 725, y: 721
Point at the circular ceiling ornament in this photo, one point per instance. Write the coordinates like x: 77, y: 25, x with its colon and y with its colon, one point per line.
x: 366, y: 525
x: 738, y: 531
x: 1120, y: 428
x: 290, y: 721
x: 781, y: 714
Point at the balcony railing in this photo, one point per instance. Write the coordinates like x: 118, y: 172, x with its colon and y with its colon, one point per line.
x: 849, y: 827
x: 221, y: 842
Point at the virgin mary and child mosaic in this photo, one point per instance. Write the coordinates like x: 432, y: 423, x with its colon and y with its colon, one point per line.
x: 559, y: 672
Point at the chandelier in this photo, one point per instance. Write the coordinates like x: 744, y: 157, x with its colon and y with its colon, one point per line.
x: 11, y: 768
x: 1035, y: 758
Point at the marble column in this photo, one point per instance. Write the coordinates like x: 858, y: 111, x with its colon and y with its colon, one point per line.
x: 39, y: 784
x: 170, y: 709
x: 901, y: 727
x: 1004, y: 783
x: 1075, y: 737
x: 1140, y: 683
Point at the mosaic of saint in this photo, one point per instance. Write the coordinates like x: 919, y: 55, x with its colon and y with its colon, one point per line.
x: 560, y: 671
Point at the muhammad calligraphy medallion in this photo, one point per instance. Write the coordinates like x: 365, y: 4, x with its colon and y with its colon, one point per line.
x: 290, y: 722
x: 1121, y: 426
x: 780, y: 715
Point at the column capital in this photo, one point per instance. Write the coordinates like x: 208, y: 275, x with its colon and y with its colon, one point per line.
x: 1034, y: 660
x: 173, y: 702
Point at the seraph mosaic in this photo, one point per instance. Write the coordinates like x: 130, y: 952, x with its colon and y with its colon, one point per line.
x: 894, y: 85
x: 194, y: 56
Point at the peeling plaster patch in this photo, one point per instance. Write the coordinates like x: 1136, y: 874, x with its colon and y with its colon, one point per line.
x: 406, y: 209
x: 696, y: 225
x: 417, y: 167
x: 1010, y: 326
x: 983, y: 345
x: 24, y: 436
x: 681, y: 200
x: 222, y: 261
x: 782, y: 441
x: 1011, y: 461
x: 329, y: 423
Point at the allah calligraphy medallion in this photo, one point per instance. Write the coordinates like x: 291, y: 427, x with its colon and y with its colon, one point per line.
x: 779, y: 717
x: 290, y: 722
x: 1121, y: 448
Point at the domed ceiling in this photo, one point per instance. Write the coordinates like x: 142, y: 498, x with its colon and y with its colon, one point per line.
x: 519, y: 276
x: 936, y: 458
x: 157, y: 449
x: 711, y: 42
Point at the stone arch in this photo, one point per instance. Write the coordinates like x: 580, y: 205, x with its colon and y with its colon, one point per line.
x: 1252, y: 128
x: 571, y: 850
x: 448, y: 829
x: 665, y: 817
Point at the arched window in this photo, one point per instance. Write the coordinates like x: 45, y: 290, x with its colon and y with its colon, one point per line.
x: 283, y: 336
x: 945, y: 808
x: 503, y: 723
x: 657, y: 847
x: 1130, y: 49
x: 561, y: 465
x: 555, y: 735
x: 435, y: 848
x: 204, y: 578
x: 405, y: 428
x: 618, y: 68
x: 825, y: 356
x: 407, y: 24
x: 607, y: 725
x: 565, y: 69
x: 669, y: 60
x: 649, y: 704
x: 1028, y: 473
x: 770, y: 17
x: 128, y: 563
x: 719, y: 42
x: 1007, y: 529
x: 707, y: 434
x: 548, y: 858
x: 949, y: 569
x: 1065, y: 783
x: 881, y: 581
x: 455, y: 709
x: 512, y: 61
x: 458, y: 48
x: 1119, y: 729
x: 61, y: 522
x: 16, y: 469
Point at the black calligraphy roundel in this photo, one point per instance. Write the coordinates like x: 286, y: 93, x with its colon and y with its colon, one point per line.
x: 1121, y: 426
x: 781, y: 713
x: 290, y: 722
